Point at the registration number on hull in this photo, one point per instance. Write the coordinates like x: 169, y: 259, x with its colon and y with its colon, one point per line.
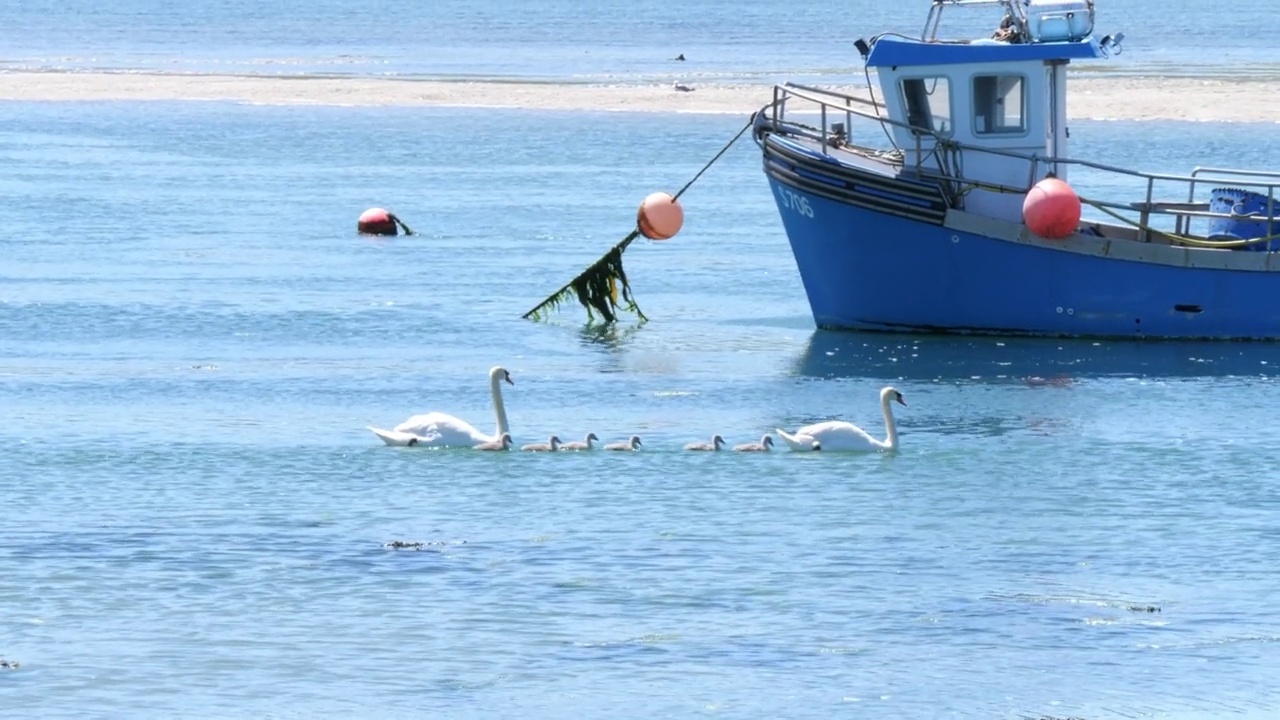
x: 794, y: 202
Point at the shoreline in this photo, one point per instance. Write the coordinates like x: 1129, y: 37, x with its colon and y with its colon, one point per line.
x: 1095, y: 98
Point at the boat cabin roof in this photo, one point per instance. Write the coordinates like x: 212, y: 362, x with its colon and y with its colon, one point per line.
x: 1031, y: 30
x: 890, y: 50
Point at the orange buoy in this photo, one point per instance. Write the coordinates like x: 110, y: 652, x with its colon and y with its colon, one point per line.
x: 1051, y: 209
x: 660, y: 216
x: 376, y: 221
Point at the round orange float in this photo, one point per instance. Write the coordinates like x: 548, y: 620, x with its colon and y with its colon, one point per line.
x: 1051, y: 209
x: 660, y: 216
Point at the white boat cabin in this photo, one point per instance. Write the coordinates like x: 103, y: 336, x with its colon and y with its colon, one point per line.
x: 1002, y: 94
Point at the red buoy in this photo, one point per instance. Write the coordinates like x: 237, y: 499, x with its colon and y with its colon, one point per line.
x: 660, y: 216
x: 376, y: 221
x: 1051, y: 209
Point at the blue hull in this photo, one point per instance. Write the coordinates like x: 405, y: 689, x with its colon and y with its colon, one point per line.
x: 870, y: 270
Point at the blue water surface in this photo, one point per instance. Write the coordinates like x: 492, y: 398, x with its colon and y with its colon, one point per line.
x: 194, y: 341
x: 605, y: 40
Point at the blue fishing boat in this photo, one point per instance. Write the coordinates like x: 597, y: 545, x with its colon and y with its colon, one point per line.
x: 910, y: 208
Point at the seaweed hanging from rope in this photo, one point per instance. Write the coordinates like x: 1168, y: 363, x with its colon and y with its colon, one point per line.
x: 597, y: 288
x: 600, y: 286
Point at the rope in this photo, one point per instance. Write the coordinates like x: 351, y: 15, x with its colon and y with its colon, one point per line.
x: 1173, y: 237
x: 750, y: 121
x: 1182, y: 239
x: 397, y: 220
x: 597, y: 287
x: 971, y: 185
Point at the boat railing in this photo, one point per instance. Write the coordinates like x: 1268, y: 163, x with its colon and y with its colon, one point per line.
x: 1217, y: 176
x: 837, y: 111
x: 835, y: 103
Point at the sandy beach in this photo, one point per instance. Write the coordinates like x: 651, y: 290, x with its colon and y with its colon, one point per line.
x: 1128, y: 98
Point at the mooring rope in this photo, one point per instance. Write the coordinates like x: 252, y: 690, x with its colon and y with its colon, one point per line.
x: 599, y: 286
x: 750, y: 121
x: 401, y: 223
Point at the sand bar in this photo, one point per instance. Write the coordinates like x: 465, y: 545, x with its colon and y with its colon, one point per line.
x: 1123, y: 98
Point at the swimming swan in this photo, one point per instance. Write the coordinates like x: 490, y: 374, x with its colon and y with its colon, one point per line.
x: 585, y: 445
x: 764, y: 445
x: 551, y: 445
x: 436, y: 429
x: 631, y: 445
x: 713, y: 446
x: 839, y: 435
x: 502, y: 443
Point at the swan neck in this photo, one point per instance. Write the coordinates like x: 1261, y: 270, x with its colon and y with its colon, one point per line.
x: 891, y: 428
x: 499, y: 409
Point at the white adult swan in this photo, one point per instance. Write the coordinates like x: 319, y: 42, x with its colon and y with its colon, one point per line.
x: 436, y: 429
x: 839, y: 435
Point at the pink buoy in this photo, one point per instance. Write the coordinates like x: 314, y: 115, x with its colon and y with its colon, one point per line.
x: 660, y: 216
x: 1051, y: 209
x: 376, y: 221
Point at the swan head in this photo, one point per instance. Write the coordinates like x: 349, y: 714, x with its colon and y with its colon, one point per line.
x: 497, y: 372
x: 506, y: 440
x: 767, y: 441
x: 717, y: 441
x: 635, y: 441
x: 889, y: 394
x: 554, y: 442
x: 592, y: 437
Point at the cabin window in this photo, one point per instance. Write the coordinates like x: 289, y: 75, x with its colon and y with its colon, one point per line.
x: 928, y: 102
x: 999, y: 105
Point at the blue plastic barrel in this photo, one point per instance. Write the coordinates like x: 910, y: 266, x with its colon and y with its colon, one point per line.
x: 1242, y: 202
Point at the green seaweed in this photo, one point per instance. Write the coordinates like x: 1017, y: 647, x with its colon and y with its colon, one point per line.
x: 599, y: 289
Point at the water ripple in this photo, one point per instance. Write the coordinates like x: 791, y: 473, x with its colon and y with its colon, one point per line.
x: 198, y: 522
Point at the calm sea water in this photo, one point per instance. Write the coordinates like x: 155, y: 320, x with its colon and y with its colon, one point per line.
x: 195, y: 517
x: 615, y: 40
x: 192, y: 341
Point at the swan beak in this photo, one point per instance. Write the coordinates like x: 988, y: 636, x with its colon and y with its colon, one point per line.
x: 902, y: 402
x: 513, y: 382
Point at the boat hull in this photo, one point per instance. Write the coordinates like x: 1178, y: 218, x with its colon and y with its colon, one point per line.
x: 871, y: 270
